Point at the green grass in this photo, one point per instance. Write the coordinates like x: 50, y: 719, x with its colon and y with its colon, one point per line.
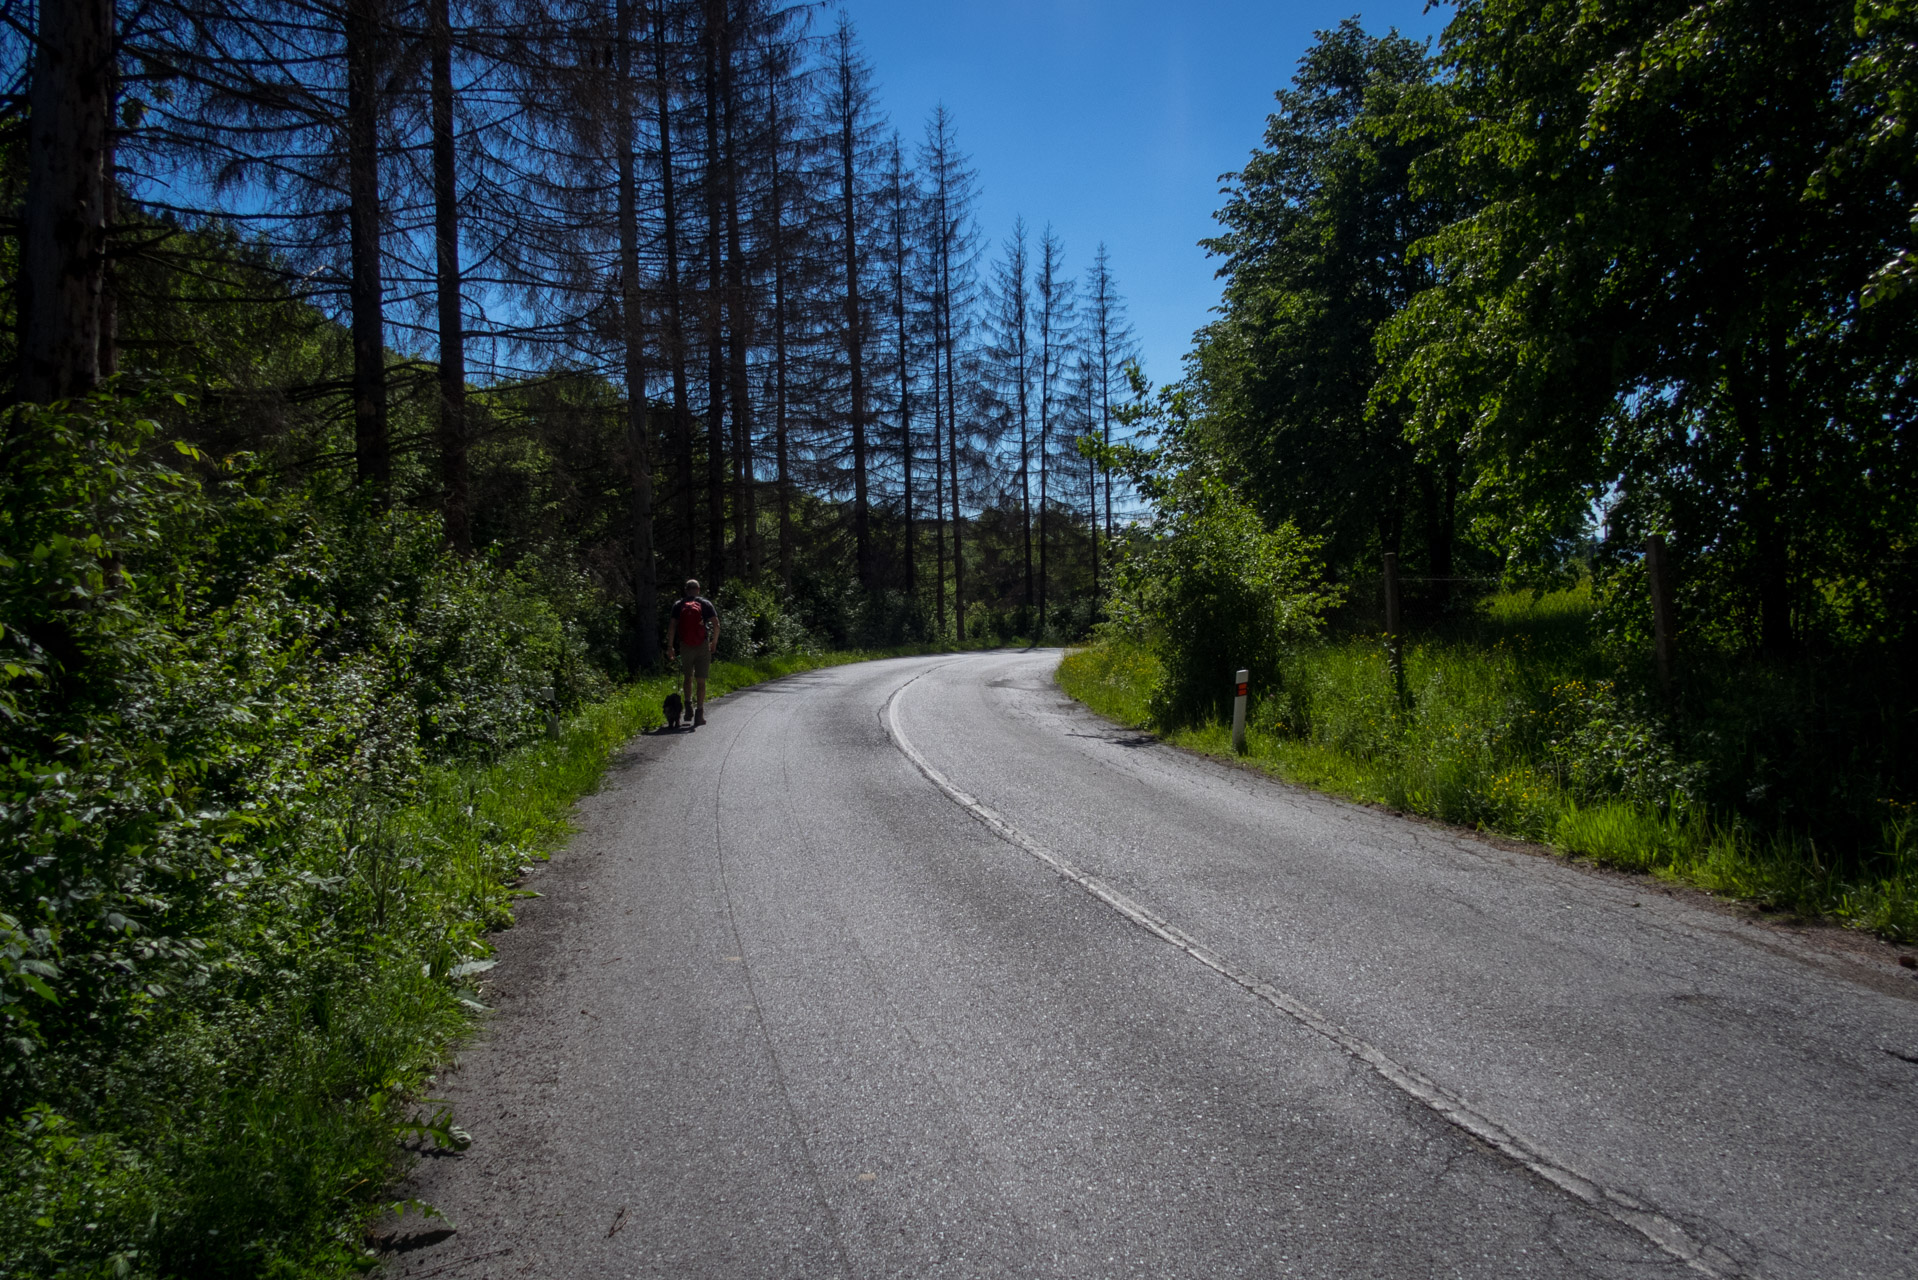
x: 1515, y: 728
x: 1114, y: 679
x: 258, y: 1134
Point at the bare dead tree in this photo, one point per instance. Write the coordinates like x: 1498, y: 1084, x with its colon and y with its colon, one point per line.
x: 1054, y: 289
x: 949, y: 194
x: 849, y: 108
x: 1011, y: 358
x: 663, y: 80
x: 1109, y: 344
x: 638, y: 434
x: 454, y: 483
x: 902, y: 196
x: 740, y: 308
x: 777, y: 59
x: 63, y: 257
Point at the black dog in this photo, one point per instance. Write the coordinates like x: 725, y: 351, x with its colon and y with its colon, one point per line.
x: 674, y: 708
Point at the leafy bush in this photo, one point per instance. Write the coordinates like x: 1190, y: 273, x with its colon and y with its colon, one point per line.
x: 754, y: 622
x: 74, y: 1203
x: 274, y: 761
x: 229, y: 933
x: 1212, y: 590
x: 195, y: 678
x: 1611, y: 744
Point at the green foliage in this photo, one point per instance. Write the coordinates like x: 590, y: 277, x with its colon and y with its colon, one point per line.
x: 1884, y: 78
x: 1212, y: 590
x: 754, y: 621
x: 201, y: 684
x: 1610, y: 743
x: 275, y: 760
x: 252, y: 834
x: 255, y: 1127
x: 1590, y: 259
x: 1515, y: 727
x: 1314, y: 256
x: 1114, y: 676
x: 1593, y: 273
x: 65, y: 1193
x: 1656, y: 305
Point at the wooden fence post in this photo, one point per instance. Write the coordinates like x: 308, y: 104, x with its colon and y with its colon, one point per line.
x: 1394, y: 637
x: 1664, y: 629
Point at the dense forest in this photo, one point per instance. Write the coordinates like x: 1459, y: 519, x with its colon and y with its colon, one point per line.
x: 1550, y: 459
x: 423, y: 254
x: 1649, y: 281
x: 376, y: 372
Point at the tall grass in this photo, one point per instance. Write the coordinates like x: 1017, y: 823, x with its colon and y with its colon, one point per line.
x: 260, y: 1139
x: 1519, y: 725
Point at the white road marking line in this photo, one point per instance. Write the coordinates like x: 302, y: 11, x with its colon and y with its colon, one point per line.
x: 1617, y: 1205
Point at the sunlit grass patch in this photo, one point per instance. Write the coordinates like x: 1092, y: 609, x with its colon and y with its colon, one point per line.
x: 1625, y: 836
x: 1322, y: 768
x: 1518, y: 730
x: 1115, y: 680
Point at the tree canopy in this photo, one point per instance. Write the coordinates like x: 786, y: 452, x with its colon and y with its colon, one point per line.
x: 1585, y: 274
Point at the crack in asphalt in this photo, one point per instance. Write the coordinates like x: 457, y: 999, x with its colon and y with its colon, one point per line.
x: 1664, y: 1233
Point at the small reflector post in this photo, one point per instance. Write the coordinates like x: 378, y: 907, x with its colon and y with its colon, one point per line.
x: 1240, y: 678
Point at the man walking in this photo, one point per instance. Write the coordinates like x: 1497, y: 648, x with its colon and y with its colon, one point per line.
x: 692, y: 633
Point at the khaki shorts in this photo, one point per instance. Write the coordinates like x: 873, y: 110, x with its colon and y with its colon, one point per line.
x: 695, y: 661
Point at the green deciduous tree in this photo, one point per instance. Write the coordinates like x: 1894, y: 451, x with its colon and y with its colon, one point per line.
x: 1207, y: 585
x: 1656, y: 301
x: 1318, y: 227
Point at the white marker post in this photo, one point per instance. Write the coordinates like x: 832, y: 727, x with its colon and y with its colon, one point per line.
x: 1238, y: 715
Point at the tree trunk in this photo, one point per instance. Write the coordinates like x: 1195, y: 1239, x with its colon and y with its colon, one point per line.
x: 675, y: 304
x: 1391, y: 525
x: 738, y: 325
x: 716, y: 20
x: 1025, y: 440
x: 108, y: 362
x: 1105, y: 429
x: 63, y: 242
x: 855, y: 335
x: 371, y: 449
x: 1092, y: 503
x: 952, y: 443
x: 446, y: 245
x: 638, y: 441
x: 1045, y: 452
x: 938, y: 470
x: 1759, y: 509
x: 905, y: 385
x: 738, y: 333
x: 779, y: 346
x: 1438, y: 498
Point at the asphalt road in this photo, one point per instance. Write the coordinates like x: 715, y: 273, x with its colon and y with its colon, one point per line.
x: 913, y: 968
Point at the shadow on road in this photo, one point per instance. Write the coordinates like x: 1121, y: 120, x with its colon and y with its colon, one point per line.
x: 1130, y: 740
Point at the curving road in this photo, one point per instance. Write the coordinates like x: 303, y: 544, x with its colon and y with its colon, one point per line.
x: 913, y: 968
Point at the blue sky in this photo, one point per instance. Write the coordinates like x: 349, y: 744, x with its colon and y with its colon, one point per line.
x: 1112, y: 119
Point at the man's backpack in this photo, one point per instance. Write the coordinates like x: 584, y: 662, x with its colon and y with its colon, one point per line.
x: 692, y: 625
